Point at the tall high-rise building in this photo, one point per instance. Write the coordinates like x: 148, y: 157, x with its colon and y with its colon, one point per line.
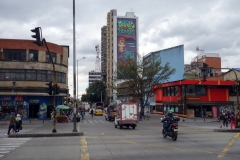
x: 119, y: 40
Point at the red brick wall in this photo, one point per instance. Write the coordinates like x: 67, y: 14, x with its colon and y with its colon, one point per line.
x: 28, y: 44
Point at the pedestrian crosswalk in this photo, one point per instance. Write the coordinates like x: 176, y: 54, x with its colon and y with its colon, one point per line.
x: 9, y: 144
x: 92, y: 121
x: 95, y: 121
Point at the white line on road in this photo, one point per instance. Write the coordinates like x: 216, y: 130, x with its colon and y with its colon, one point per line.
x: 2, y: 149
x: 1, y: 152
x: 90, y: 121
x: 95, y: 121
x: 8, y: 146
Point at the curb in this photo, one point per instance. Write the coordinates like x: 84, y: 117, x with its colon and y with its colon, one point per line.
x: 34, y: 135
x: 226, y: 130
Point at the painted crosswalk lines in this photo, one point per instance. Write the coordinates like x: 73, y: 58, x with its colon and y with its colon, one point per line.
x: 9, y: 144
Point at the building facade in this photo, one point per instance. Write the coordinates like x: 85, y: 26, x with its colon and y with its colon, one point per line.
x: 190, y: 97
x: 119, y: 40
x: 25, y: 69
x: 94, y: 76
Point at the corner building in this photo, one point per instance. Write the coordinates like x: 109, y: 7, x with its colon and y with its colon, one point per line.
x: 25, y: 68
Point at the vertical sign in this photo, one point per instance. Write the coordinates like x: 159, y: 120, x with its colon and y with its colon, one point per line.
x: 126, y: 39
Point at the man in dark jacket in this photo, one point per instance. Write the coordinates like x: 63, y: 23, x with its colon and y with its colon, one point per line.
x: 221, y: 119
x: 12, y: 124
x: 168, y: 119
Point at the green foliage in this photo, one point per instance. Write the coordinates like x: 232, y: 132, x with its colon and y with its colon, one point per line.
x: 94, y: 92
x: 140, y: 76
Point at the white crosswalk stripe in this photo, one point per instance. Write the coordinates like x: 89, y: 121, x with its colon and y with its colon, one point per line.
x: 94, y: 121
x: 9, y: 144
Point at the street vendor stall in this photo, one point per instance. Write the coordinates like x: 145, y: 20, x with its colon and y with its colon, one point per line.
x: 61, y: 117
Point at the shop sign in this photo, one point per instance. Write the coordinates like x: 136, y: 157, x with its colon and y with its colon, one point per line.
x: 6, y: 98
x: 193, y: 98
x: 190, y: 98
x: 11, y: 103
x: 18, y: 98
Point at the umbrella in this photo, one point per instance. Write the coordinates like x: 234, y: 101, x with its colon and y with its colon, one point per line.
x: 62, y: 107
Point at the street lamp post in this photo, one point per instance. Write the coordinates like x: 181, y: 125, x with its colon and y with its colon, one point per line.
x: 77, y: 74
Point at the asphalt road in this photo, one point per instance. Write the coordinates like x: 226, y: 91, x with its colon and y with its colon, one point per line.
x: 196, y: 140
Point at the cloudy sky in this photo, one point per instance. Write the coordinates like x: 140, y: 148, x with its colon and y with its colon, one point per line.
x: 213, y: 25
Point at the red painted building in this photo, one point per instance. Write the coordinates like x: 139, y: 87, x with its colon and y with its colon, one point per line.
x: 211, y: 95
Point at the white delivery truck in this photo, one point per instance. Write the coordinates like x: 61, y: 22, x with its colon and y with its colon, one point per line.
x: 126, y: 115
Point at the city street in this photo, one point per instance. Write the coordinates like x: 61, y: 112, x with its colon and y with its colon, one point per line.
x: 196, y: 140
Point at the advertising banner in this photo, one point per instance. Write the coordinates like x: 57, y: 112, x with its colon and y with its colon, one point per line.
x: 126, y: 39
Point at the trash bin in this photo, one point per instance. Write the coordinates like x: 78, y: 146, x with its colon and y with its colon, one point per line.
x: 78, y: 119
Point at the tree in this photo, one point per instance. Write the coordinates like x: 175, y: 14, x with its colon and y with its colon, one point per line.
x: 95, y: 92
x: 138, y: 77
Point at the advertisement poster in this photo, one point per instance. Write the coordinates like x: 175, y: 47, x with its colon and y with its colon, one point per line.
x: 126, y: 39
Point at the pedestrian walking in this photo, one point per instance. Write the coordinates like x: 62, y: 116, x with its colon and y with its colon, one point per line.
x: 82, y: 114
x: 140, y: 116
x: 226, y: 119
x: 91, y: 112
x: 18, y: 123
x: 232, y: 121
x: 52, y: 115
x: 221, y: 119
x: 11, y: 123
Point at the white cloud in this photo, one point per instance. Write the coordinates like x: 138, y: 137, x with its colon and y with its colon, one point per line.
x: 211, y: 25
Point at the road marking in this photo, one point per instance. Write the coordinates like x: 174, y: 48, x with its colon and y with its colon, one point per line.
x: 9, y: 144
x: 230, y: 143
x: 90, y: 121
x: 84, y: 149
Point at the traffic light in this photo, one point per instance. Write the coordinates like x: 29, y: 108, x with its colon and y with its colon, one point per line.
x: 237, y: 88
x: 37, y: 35
x: 57, y: 89
x: 50, y: 88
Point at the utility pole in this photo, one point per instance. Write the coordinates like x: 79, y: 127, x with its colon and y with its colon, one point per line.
x: 74, y: 72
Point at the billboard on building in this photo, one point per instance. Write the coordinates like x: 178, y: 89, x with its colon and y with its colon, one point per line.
x: 126, y: 39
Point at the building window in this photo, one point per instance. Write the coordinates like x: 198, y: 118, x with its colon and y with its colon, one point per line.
x: 168, y: 91
x: 48, y: 59
x: 200, y: 90
x: 164, y: 91
x: 31, y: 75
x: 191, y: 90
x: 176, y: 90
x: 14, y: 55
x: 33, y: 55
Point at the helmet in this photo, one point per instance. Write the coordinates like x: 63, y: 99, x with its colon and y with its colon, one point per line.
x: 171, y: 111
x: 169, y: 114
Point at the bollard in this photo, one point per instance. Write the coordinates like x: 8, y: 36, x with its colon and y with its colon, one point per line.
x: 30, y: 119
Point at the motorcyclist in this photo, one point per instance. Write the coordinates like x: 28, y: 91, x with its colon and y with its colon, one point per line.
x: 169, y: 119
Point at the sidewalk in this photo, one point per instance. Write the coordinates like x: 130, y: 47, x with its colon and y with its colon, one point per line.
x: 40, y: 129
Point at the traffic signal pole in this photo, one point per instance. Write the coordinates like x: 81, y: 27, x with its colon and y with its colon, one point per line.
x: 54, y: 87
x: 39, y: 40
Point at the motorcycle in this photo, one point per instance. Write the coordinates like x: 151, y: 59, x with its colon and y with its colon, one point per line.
x: 172, y: 130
